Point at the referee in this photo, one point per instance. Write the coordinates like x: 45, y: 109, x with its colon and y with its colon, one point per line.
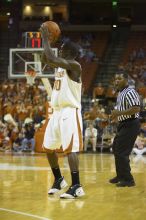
x: 127, y: 114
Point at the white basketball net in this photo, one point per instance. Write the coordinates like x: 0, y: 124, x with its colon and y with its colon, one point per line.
x: 30, y: 77
x: 32, y: 69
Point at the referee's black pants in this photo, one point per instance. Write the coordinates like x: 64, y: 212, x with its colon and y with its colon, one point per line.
x: 123, y: 143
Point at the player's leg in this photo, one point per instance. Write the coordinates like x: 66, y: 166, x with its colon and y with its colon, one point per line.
x: 59, y: 182
x: 51, y: 143
x: 71, y: 136
x: 75, y: 190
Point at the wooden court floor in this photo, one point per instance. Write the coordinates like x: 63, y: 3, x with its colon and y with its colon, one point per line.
x: 24, y: 182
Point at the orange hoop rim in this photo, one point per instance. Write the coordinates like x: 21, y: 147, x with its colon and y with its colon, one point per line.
x: 31, y: 73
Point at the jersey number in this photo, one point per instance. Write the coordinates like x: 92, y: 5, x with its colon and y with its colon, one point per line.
x: 57, y: 84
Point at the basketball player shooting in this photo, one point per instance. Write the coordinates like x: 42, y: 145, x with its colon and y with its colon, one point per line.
x: 64, y: 129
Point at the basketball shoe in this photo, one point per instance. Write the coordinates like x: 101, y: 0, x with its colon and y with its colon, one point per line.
x: 114, y: 180
x: 57, y: 185
x: 126, y: 183
x: 73, y: 192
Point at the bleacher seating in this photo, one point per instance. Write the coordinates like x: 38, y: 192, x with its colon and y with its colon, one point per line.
x: 134, y: 57
x: 90, y: 69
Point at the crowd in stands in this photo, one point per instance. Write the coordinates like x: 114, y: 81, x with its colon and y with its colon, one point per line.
x: 109, y: 93
x: 22, y: 110
x: 84, y: 43
x: 99, y: 131
x: 103, y: 102
x: 100, y: 91
x: 135, y: 66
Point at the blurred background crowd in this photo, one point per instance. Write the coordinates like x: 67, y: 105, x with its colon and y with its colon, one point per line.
x: 111, y: 38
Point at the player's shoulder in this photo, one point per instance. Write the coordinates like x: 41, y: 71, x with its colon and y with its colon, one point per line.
x: 74, y: 66
x: 73, y: 62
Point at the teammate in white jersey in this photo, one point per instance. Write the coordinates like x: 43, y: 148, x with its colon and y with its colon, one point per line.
x: 64, y: 129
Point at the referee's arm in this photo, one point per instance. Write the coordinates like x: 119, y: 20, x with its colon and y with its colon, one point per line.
x: 134, y: 106
x: 130, y: 111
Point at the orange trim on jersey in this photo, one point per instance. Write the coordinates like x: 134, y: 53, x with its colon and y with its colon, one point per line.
x: 47, y: 150
x: 69, y: 148
x: 60, y: 150
x: 51, y: 151
x: 79, y: 132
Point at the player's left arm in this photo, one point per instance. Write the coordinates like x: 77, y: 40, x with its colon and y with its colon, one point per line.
x: 50, y: 58
x: 73, y: 68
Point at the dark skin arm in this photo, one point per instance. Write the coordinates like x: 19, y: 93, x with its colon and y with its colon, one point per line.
x: 73, y: 67
x: 130, y: 111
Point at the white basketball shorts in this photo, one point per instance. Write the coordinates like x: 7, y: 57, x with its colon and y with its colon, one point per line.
x: 64, y: 130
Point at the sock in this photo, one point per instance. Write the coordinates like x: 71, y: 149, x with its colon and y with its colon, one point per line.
x: 56, y: 172
x: 75, y: 177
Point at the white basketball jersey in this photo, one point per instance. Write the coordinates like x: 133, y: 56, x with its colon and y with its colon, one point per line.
x: 66, y: 92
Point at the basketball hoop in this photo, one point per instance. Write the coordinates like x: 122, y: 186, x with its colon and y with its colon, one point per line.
x: 30, y: 77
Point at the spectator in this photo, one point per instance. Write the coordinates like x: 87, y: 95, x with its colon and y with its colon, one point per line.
x: 98, y: 91
x: 141, y: 53
x: 5, y: 142
x: 110, y: 92
x: 140, y: 145
x: 90, y: 137
x: 17, y: 144
x: 28, y: 142
x: 92, y: 113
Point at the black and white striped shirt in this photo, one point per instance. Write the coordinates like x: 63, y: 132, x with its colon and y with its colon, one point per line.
x: 127, y: 98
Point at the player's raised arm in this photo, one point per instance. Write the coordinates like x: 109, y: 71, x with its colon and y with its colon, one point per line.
x: 66, y: 60
x: 49, y: 54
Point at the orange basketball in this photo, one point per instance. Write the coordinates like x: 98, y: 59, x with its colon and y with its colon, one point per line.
x: 54, y: 29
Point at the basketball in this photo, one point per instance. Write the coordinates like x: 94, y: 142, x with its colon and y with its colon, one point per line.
x: 54, y: 29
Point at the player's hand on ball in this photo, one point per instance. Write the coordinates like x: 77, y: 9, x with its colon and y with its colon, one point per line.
x: 45, y: 32
x: 50, y: 31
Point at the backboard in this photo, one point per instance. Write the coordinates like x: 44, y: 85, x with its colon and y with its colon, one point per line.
x: 23, y: 59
